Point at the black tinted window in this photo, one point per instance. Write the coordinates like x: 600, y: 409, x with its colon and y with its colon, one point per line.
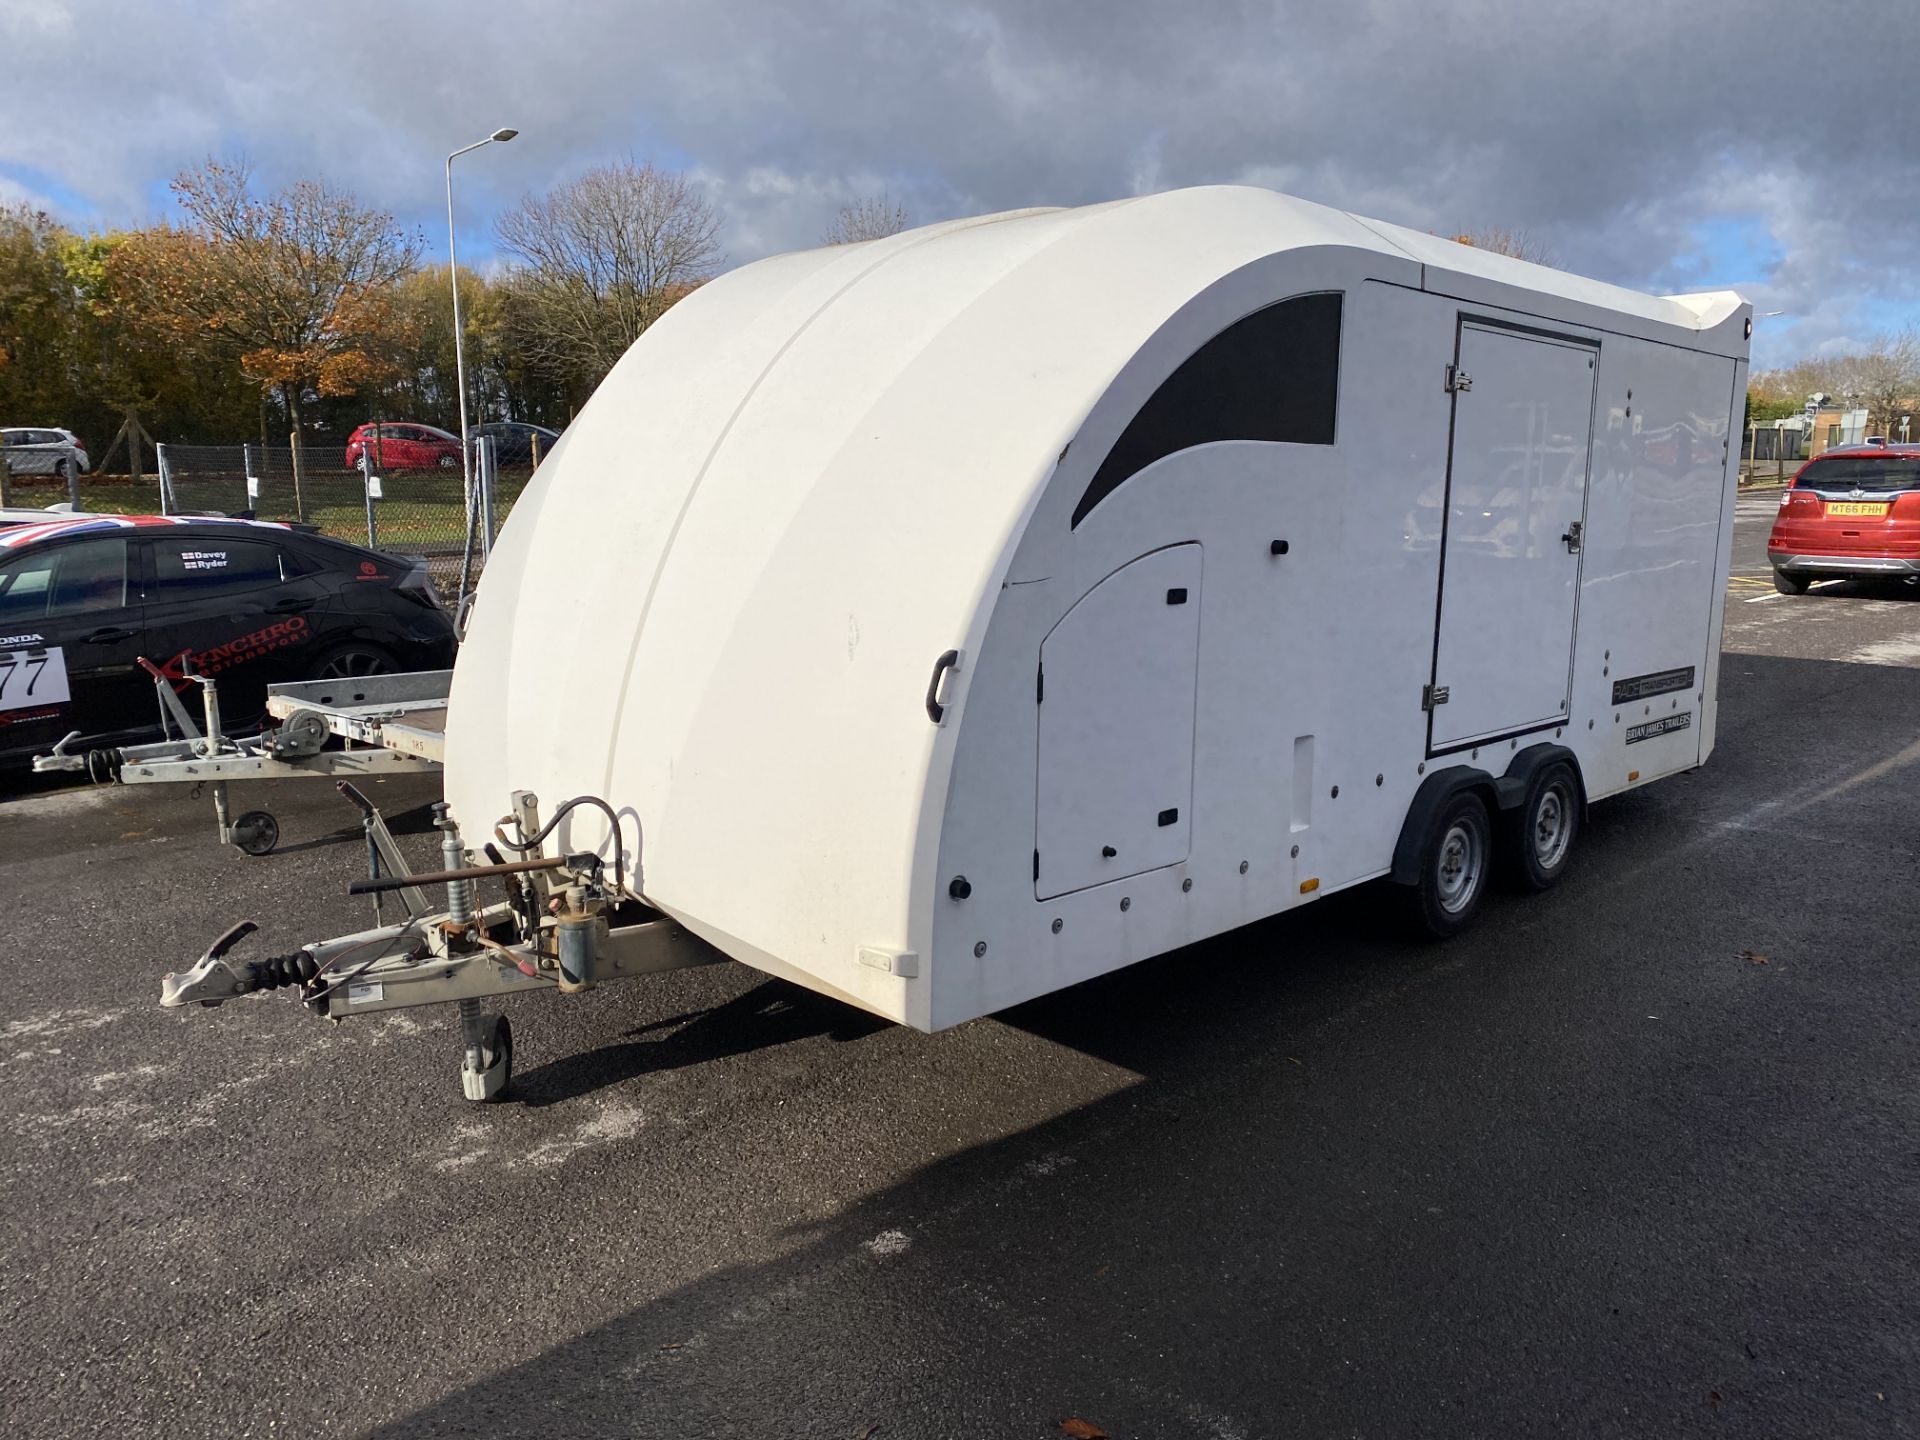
x: 1862, y: 472
x: 65, y: 580
x: 24, y: 587
x: 193, y: 567
x: 1272, y: 375
x: 90, y: 576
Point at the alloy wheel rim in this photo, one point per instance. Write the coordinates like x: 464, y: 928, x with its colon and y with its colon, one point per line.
x: 351, y: 664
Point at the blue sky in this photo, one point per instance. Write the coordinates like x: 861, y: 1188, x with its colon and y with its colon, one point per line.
x: 1631, y: 139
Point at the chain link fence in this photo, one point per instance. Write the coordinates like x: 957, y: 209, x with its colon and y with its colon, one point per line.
x: 403, y: 503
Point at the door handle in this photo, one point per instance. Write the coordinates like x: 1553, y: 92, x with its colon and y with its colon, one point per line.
x: 949, y: 661
x: 289, y: 605
x: 106, y: 635
x: 1572, y: 538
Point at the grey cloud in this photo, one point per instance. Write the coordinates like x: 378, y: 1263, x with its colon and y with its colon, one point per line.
x: 1612, y: 131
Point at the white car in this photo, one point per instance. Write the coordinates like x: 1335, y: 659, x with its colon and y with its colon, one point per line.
x: 21, y: 515
x: 44, y: 450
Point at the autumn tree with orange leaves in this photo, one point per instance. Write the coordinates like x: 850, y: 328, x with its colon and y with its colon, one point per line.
x: 301, y: 287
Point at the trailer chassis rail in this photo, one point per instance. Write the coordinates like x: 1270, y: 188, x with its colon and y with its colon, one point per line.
x: 295, y: 749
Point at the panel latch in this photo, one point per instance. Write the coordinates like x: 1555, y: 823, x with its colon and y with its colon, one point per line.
x: 1458, y: 380
x: 1432, y: 696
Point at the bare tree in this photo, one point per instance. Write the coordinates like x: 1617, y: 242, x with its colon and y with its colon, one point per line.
x: 603, y: 257
x: 1883, y: 379
x: 1521, y: 244
x: 872, y: 218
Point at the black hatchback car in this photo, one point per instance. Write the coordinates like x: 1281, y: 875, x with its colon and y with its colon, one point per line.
x: 83, y: 601
x: 513, y: 439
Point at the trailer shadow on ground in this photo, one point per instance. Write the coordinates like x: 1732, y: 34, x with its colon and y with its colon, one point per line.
x: 415, y: 820
x: 1633, y: 1155
x: 771, y: 1014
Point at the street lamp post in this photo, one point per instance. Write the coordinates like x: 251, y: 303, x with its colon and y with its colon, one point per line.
x: 453, y: 274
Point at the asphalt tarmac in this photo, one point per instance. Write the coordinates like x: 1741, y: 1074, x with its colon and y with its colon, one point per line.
x: 1639, y: 1157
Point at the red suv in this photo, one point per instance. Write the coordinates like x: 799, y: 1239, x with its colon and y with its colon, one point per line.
x: 1853, y: 511
x: 404, y: 447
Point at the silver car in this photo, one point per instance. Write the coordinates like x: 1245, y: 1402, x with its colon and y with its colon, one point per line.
x: 44, y: 450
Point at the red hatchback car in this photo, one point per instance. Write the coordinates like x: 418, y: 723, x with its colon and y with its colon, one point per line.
x: 1853, y: 511
x: 404, y: 447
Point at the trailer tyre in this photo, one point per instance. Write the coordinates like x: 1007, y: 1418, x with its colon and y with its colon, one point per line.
x: 256, y: 833
x: 1453, y: 869
x: 489, y: 1084
x: 1540, y: 831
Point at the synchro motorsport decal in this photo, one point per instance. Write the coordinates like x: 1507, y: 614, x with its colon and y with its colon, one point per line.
x: 1645, y: 687
x: 277, y: 636
x: 1666, y: 723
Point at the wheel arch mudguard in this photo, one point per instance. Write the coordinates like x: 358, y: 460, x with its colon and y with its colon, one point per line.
x: 1502, y: 792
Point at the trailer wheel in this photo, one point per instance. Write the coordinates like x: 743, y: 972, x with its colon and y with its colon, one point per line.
x: 256, y: 833
x: 490, y: 1083
x: 1453, y: 869
x: 1540, y: 831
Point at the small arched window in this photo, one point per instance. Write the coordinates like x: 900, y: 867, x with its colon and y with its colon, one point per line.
x: 1272, y: 375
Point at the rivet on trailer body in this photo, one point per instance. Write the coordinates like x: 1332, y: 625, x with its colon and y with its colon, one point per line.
x: 1296, y: 852
x: 979, y: 949
x: 1058, y: 924
x: 1186, y: 885
x: 1421, y: 768
x: 1336, y: 792
x: 1378, y: 781
x: 1589, y: 724
x: 960, y: 887
x: 1126, y: 902
x: 1243, y: 867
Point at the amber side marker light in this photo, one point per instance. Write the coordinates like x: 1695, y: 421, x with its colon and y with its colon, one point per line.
x: 1307, y: 887
x: 1632, y: 775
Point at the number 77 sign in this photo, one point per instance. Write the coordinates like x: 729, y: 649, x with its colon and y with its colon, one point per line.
x: 32, y: 678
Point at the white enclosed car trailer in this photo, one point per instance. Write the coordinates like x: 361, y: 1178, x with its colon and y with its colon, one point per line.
x: 953, y: 617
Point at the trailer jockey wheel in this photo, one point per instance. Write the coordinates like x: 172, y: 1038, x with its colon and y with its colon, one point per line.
x: 256, y: 833
x: 1453, y: 869
x: 496, y: 1056
x: 1540, y: 831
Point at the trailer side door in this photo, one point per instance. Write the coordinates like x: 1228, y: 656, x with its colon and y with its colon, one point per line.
x: 1116, y: 701
x: 1515, y: 511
